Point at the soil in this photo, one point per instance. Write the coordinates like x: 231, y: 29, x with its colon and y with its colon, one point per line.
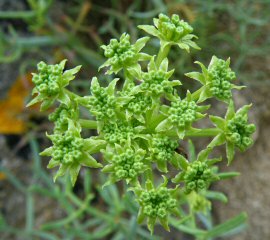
x: 250, y: 191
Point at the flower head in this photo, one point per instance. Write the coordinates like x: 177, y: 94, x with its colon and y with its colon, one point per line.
x: 216, y: 79
x: 122, y: 54
x: 156, y: 203
x: 172, y: 31
x: 125, y: 164
x: 235, y: 130
x: 50, y: 83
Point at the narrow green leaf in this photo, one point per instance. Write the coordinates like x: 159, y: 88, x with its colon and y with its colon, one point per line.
x: 197, y: 76
x: 53, y: 163
x: 88, y: 161
x: 162, y: 166
x: 216, y: 196
x: 47, y: 152
x: 228, y: 226
x: 181, y: 161
x: 203, y: 155
x: 243, y: 110
x: 204, y: 69
x: 141, y: 216
x: 164, y: 223
x: 35, y: 100
x: 149, y: 29
x: 230, y: 112
x: 164, y: 126
x: 164, y: 65
x: 227, y: 175
x: 230, y: 151
x: 218, y: 121
x: 217, y: 141
x: 151, y: 224
x: 140, y: 43
x: 151, y: 65
x: 61, y: 171
x: 111, y: 87
x: 74, y: 171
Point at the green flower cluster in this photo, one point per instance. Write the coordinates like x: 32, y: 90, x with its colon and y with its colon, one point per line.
x: 157, y: 202
x: 70, y: 152
x: 139, y: 104
x: 118, y: 132
x: 156, y: 83
x: 173, y: 29
x: 163, y: 147
x: 67, y: 148
x: 122, y: 54
x: 216, y: 80
x: 234, y: 130
x: 240, y: 132
x: 198, y: 176
x: 101, y: 103
x: 221, y: 76
x: 49, y: 78
x: 162, y: 150
x: 137, y: 124
x: 182, y: 113
x: 127, y: 165
x: 61, y: 116
x: 50, y: 83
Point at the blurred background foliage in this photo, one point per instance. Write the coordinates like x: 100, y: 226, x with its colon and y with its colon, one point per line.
x: 51, y: 30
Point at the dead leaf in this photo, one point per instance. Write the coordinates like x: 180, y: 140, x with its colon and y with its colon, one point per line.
x: 12, y: 107
x: 2, y: 176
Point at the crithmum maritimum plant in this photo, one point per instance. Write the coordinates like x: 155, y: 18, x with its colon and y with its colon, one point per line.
x: 141, y: 125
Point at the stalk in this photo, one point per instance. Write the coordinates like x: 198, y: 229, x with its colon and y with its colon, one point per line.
x: 207, y: 132
x: 88, y: 124
x: 162, y: 54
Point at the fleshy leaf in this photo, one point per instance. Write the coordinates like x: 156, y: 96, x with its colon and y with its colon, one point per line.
x: 149, y: 29
x: 217, y: 141
x: 164, y: 126
x: 140, y: 43
x: 218, y: 121
x: 230, y: 152
x: 197, y: 76
x: 74, y: 171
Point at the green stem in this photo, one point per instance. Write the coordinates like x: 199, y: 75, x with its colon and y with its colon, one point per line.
x: 17, y: 14
x: 89, y: 124
x: 128, y: 79
x: 149, y: 175
x: 71, y: 94
x: 207, y: 132
x: 162, y: 54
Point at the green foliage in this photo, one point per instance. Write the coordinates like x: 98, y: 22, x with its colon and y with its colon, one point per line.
x: 171, y: 31
x: 235, y: 130
x: 126, y: 165
x: 50, y: 83
x: 140, y: 124
x: 162, y: 150
x: 216, y: 80
x: 156, y: 204
x: 106, y: 211
x: 122, y: 54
